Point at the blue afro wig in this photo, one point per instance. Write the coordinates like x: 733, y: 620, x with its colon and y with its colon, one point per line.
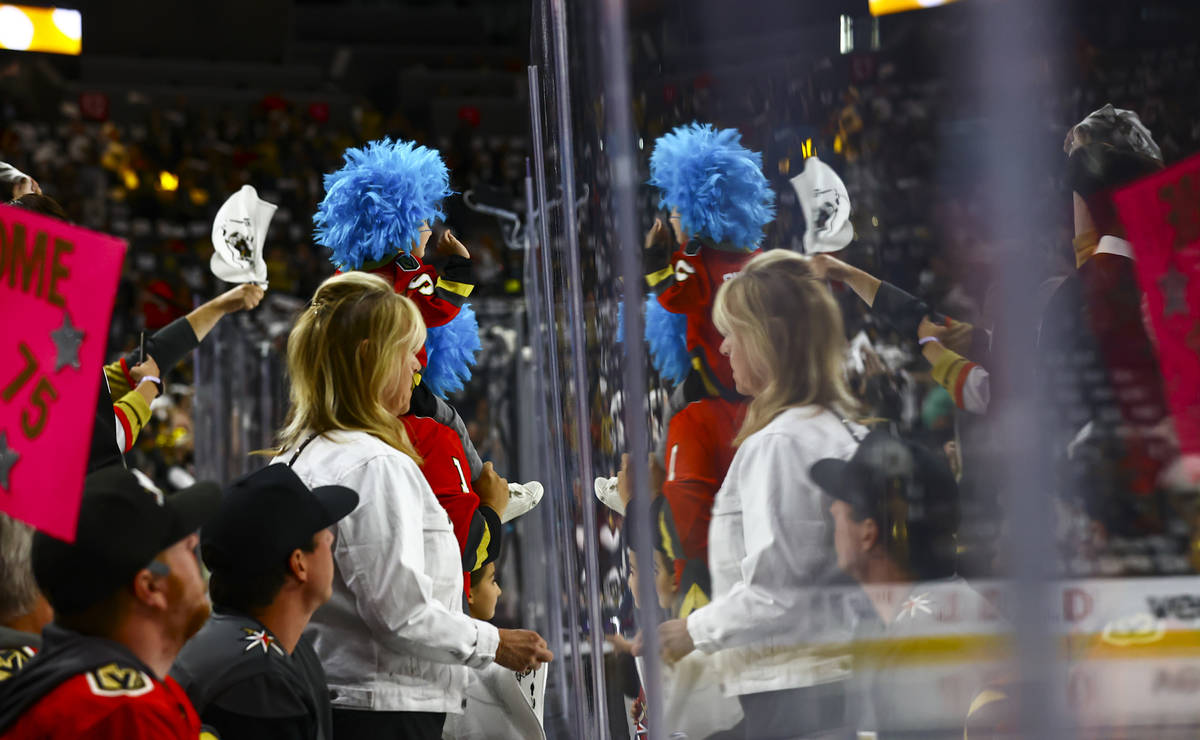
x: 374, y: 205
x: 450, y: 350
x: 666, y: 333
x: 715, y: 183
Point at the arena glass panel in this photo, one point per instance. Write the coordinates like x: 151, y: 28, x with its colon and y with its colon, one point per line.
x: 1049, y: 594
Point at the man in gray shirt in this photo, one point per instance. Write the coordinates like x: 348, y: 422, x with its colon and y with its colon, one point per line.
x: 921, y: 660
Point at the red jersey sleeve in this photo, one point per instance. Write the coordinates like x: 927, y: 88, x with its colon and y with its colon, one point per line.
x: 447, y: 471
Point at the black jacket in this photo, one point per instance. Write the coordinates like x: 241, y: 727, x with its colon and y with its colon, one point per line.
x: 243, y: 683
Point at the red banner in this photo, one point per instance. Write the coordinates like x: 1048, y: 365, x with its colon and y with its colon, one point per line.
x: 1162, y: 219
x: 57, y: 284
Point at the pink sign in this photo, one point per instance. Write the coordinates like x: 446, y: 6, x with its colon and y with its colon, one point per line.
x: 1162, y: 218
x: 57, y: 284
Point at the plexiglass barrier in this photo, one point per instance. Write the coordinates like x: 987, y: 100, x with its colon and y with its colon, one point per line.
x: 961, y: 193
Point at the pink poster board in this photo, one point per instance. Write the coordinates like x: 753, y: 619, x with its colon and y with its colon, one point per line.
x: 1161, y: 214
x: 57, y: 284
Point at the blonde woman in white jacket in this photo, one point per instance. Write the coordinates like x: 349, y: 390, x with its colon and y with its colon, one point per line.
x: 768, y: 541
x: 393, y: 640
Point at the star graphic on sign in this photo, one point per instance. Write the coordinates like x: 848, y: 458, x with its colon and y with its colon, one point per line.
x: 66, y: 344
x: 259, y: 638
x: 1173, y: 285
x: 8, y: 458
x: 918, y: 603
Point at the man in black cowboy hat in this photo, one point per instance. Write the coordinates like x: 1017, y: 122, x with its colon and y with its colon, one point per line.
x: 895, y: 512
x: 249, y: 672
x: 127, y: 594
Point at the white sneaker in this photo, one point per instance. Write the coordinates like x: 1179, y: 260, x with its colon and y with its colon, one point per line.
x: 521, y: 498
x: 609, y: 495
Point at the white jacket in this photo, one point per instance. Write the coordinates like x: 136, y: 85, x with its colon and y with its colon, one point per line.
x: 393, y: 637
x: 766, y: 545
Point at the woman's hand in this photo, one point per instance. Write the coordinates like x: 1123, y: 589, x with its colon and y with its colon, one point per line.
x: 929, y: 329
x: 674, y: 640
x: 147, y: 368
x: 242, y: 298
x: 522, y: 651
x: 825, y: 267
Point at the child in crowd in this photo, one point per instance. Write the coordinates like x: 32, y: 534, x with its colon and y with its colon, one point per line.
x: 501, y: 704
x: 693, y: 703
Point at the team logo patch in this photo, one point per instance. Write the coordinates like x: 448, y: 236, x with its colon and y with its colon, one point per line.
x: 260, y: 639
x: 423, y: 284
x: 910, y: 608
x: 683, y: 271
x: 116, y: 680
x: 13, y: 660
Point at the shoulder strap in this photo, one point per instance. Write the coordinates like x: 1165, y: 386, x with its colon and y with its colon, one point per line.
x: 300, y: 449
x: 849, y: 428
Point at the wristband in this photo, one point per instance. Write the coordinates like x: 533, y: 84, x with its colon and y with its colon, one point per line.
x: 927, y: 340
x: 151, y: 378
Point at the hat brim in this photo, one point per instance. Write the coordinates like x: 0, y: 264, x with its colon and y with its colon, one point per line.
x: 191, y: 508
x: 842, y: 480
x: 337, y: 501
x: 830, y: 474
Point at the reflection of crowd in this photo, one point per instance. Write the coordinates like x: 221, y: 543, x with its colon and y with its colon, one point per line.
x: 921, y: 501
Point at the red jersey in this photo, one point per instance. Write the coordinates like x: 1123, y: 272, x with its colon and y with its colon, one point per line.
x: 110, y: 702
x: 448, y: 473
x: 699, y: 451
x: 689, y: 286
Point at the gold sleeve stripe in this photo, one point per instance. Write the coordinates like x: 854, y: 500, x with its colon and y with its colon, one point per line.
x: 709, y: 387
x: 666, y: 535
x: 481, y: 552
x: 462, y: 289
x: 655, y: 278
x: 694, y: 599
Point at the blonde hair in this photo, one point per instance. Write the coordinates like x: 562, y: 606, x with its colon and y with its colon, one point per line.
x: 343, y: 352
x: 791, y: 331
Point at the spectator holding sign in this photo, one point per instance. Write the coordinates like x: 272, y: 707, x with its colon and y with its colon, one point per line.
x: 135, y: 380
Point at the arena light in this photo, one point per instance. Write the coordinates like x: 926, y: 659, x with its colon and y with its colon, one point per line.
x: 883, y: 7
x: 52, y: 30
x: 168, y: 181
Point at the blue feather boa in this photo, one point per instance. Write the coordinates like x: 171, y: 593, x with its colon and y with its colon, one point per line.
x: 374, y: 205
x: 450, y: 350
x: 715, y: 183
x: 666, y: 333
